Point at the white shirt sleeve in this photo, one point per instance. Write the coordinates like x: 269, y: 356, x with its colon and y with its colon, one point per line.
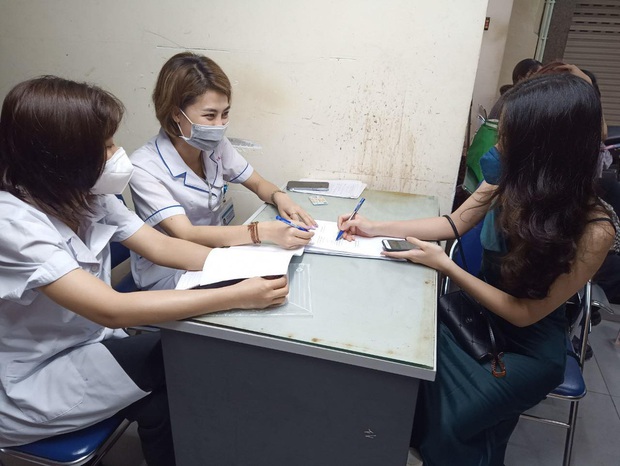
x: 235, y: 169
x: 117, y: 214
x: 32, y: 254
x: 152, y: 200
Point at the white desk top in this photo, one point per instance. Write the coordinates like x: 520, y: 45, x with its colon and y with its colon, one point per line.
x: 366, y: 312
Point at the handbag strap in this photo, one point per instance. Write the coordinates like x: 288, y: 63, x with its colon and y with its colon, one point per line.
x: 498, y: 368
x: 457, y: 235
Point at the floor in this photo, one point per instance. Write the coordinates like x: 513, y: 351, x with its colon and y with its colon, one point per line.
x: 597, y: 442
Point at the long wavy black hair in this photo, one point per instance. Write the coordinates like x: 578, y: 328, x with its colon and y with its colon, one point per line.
x: 549, y: 137
x: 52, y: 143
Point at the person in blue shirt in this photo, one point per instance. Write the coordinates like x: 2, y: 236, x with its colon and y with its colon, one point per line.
x: 545, y: 235
x: 486, y: 136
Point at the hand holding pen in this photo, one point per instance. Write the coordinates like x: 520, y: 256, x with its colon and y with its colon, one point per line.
x: 287, y: 234
x: 357, y: 208
x: 291, y: 224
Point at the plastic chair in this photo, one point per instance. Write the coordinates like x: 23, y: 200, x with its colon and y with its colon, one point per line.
x: 87, y: 445
x: 573, y: 388
x: 472, y: 248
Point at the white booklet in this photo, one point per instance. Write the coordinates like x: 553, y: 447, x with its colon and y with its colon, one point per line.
x: 337, y: 188
x: 239, y: 262
x: 324, y: 242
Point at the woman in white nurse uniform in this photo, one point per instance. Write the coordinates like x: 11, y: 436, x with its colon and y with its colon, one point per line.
x: 65, y: 363
x: 180, y: 178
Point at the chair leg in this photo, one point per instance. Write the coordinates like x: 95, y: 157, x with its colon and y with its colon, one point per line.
x: 109, y: 443
x: 570, y: 433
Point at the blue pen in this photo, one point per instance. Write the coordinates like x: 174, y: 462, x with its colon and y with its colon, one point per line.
x: 357, y: 207
x: 290, y: 224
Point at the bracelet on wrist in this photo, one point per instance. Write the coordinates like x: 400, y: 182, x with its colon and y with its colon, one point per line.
x: 253, y: 229
x: 273, y: 196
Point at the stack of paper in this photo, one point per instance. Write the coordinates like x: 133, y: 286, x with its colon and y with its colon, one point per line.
x: 239, y: 262
x: 338, y: 188
x: 324, y: 242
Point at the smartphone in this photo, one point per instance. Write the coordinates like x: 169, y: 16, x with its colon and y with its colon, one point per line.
x: 397, y: 245
x: 308, y: 185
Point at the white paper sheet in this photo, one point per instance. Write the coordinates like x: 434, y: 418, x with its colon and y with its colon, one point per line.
x: 299, y: 300
x: 338, y: 188
x: 239, y: 262
x: 324, y: 242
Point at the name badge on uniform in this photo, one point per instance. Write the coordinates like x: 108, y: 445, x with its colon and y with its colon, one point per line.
x: 227, y: 212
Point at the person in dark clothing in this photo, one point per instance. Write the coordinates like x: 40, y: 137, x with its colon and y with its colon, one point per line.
x: 545, y: 234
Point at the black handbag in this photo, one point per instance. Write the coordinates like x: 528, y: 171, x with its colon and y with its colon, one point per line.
x: 468, y: 321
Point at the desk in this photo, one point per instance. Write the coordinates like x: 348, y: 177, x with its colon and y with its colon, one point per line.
x: 337, y: 388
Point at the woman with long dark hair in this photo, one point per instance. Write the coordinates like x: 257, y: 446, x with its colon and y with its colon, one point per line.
x: 65, y: 362
x: 545, y: 234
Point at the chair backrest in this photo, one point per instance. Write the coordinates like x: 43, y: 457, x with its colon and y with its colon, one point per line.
x: 472, y: 250
x: 119, y: 253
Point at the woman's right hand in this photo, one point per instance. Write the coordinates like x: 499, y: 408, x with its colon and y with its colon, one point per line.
x: 283, y: 235
x: 426, y: 253
x: 360, y: 226
x: 260, y: 293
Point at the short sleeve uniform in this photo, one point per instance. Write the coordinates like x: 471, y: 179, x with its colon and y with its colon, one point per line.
x: 54, y: 376
x: 162, y: 186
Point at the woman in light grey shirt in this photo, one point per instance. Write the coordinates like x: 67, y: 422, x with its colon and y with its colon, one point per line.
x: 65, y: 362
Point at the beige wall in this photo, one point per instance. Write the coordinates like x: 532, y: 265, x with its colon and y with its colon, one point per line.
x: 512, y: 36
x: 491, y: 56
x: 522, y: 36
x: 371, y: 90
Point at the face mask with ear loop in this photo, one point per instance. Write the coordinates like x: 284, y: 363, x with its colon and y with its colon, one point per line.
x: 116, y: 174
x: 206, y: 138
x: 203, y: 137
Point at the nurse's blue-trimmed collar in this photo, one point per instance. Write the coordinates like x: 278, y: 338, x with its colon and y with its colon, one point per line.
x: 178, y: 168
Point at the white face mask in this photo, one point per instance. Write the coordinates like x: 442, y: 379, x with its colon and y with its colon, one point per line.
x: 204, y: 137
x: 116, y: 174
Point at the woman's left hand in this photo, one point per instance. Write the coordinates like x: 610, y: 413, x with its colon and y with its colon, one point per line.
x: 430, y: 254
x: 290, y: 210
